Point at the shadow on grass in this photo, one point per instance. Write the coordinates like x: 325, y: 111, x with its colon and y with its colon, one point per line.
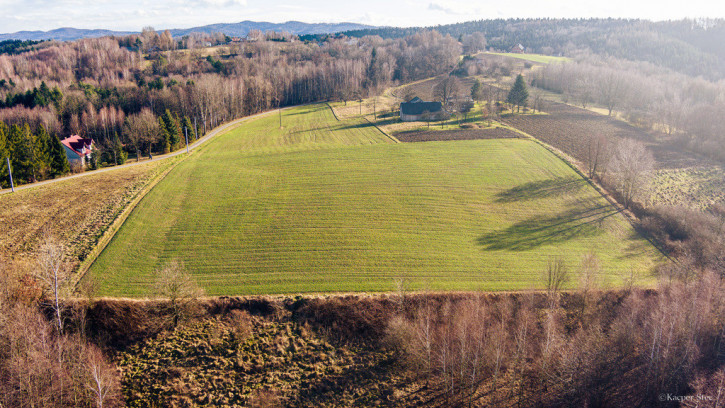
x: 575, y: 223
x: 635, y: 246
x: 542, y: 189
x: 361, y: 125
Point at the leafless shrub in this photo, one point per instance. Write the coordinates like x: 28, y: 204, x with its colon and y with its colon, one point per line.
x: 53, y: 274
x: 555, y: 277
x: 174, y: 283
x: 240, y: 323
x: 590, y: 270
x: 631, y: 167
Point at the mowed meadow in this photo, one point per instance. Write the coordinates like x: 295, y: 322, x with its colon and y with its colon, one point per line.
x: 322, y: 205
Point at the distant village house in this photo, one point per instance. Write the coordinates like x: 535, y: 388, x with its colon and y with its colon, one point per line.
x: 518, y: 49
x: 78, y: 149
x: 416, y: 110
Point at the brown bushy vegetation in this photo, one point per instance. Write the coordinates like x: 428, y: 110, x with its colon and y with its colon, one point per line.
x: 582, y: 348
x: 610, y: 349
x: 689, y: 110
x: 695, y: 238
x: 40, y: 366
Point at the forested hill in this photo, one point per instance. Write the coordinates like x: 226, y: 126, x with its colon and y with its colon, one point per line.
x: 693, y: 47
x: 231, y: 29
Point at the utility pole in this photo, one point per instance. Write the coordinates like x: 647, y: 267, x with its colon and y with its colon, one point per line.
x: 196, y: 136
x: 279, y: 108
x: 10, y: 172
x: 375, y: 113
x: 186, y: 136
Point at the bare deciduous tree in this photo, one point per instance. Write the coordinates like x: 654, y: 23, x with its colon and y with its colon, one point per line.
x: 174, y: 283
x: 102, y: 377
x: 53, y: 274
x: 631, y: 167
x: 598, y: 155
x: 555, y: 277
x: 446, y: 89
x: 611, y: 89
x: 140, y: 129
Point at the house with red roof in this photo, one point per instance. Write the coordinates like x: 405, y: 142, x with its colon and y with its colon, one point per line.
x: 78, y: 149
x: 518, y: 49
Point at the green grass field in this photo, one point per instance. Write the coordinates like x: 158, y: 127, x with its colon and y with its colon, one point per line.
x: 323, y: 205
x: 543, y: 59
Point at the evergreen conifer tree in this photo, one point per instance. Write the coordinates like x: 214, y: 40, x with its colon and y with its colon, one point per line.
x: 186, y: 124
x: 58, y: 159
x: 518, y: 95
x: 4, y: 153
x: 477, y: 91
x: 170, y: 128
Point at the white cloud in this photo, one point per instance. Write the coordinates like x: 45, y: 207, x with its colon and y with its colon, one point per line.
x: 439, y: 7
x: 16, y: 15
x: 223, y: 3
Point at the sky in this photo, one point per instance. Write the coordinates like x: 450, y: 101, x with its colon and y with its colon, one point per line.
x: 132, y: 15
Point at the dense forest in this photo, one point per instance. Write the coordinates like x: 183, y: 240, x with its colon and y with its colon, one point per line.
x: 693, y: 47
x: 17, y: 46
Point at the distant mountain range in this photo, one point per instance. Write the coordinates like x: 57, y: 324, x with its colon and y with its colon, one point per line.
x: 231, y: 29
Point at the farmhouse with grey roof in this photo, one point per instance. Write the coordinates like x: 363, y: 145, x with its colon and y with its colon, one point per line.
x: 416, y: 108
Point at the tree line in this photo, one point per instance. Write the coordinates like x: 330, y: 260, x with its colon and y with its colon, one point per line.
x: 34, y: 154
x: 692, y: 110
x: 103, y: 89
x: 688, y: 46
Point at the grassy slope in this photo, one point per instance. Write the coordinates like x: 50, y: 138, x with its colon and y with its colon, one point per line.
x: 333, y: 206
x: 74, y: 211
x: 543, y: 59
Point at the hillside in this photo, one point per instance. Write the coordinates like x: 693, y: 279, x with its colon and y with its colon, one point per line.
x: 693, y: 47
x: 323, y: 205
x: 230, y: 29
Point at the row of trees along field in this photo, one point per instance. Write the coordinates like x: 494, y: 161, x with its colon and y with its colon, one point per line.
x: 100, y: 88
x: 36, y: 155
x: 691, y: 109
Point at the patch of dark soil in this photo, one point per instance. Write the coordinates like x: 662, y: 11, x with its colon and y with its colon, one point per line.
x: 462, y: 134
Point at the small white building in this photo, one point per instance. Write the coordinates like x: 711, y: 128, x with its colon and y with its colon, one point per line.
x: 78, y: 149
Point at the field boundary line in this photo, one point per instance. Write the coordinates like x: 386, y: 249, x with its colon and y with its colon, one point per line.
x: 393, y: 138
x: 192, y: 146
x: 333, y: 111
x: 570, y: 161
x: 110, y: 232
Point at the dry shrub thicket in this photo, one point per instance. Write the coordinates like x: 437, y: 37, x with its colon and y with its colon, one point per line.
x: 583, y: 349
x: 41, y: 364
x: 688, y: 110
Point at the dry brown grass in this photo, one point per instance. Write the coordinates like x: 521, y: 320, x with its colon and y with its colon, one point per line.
x: 76, y: 212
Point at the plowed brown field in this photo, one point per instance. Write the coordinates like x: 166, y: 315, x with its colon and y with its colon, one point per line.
x: 462, y: 134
